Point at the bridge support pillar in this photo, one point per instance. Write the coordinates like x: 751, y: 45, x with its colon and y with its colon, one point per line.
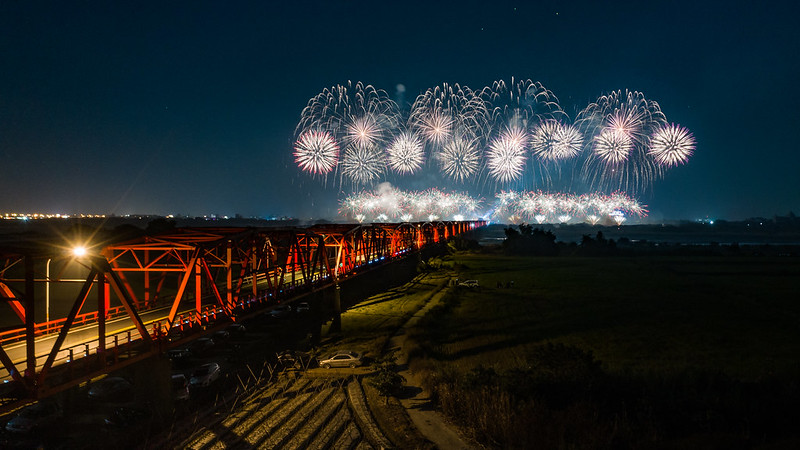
x: 336, y: 326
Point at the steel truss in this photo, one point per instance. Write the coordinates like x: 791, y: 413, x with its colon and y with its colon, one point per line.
x: 219, y: 273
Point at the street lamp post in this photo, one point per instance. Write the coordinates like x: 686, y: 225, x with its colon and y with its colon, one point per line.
x: 78, y: 252
x: 47, y: 291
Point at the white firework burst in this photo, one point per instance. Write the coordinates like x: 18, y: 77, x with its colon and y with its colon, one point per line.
x: 316, y: 152
x: 364, y: 131
x: 436, y: 127
x: 630, y: 121
x: 459, y: 158
x: 554, y: 141
x: 506, y: 156
x: 362, y: 164
x: 671, y: 145
x: 543, y: 138
x: 405, y: 154
x: 517, y: 136
x: 568, y: 142
x: 613, y: 146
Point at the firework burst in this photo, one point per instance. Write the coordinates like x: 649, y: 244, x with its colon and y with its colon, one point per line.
x: 506, y: 156
x: 671, y: 145
x: 362, y: 164
x: 612, y: 146
x: 436, y: 127
x: 405, y: 154
x: 618, y: 127
x: 522, y: 103
x: 563, y: 208
x: 316, y: 152
x: 554, y: 141
x: 459, y: 159
x: 364, y: 131
x: 442, y: 110
x: 336, y: 108
x: 629, y: 121
x: 621, y: 142
x: 389, y: 204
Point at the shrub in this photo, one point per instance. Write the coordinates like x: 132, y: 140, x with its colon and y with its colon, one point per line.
x: 387, y: 382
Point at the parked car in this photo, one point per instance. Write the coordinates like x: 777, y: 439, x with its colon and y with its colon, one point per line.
x: 220, y: 336
x: 303, y: 307
x: 201, y: 346
x: 205, y: 375
x: 343, y: 359
x: 236, y: 329
x: 280, y: 311
x: 469, y: 284
x: 180, y: 386
x: 179, y: 355
x: 124, y: 417
x: 111, y: 388
x: 34, y: 417
x: 295, y: 359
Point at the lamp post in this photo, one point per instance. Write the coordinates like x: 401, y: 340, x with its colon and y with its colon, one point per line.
x: 77, y: 252
x: 47, y: 291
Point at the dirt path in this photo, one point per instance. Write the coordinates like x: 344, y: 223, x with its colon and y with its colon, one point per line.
x: 430, y: 422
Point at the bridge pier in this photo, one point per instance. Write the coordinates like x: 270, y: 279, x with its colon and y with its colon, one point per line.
x: 336, y: 326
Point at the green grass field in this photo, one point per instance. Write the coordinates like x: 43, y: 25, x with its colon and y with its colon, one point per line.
x: 662, y: 314
x: 367, y: 325
x: 617, y: 352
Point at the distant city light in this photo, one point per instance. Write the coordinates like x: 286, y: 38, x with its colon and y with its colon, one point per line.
x: 39, y: 216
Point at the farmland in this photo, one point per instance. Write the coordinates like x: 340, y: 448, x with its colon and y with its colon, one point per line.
x: 617, y: 351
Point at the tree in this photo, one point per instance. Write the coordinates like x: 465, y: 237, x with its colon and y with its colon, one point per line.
x: 530, y: 241
x: 387, y: 382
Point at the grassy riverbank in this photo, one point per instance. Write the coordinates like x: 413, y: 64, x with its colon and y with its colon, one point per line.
x: 617, y: 352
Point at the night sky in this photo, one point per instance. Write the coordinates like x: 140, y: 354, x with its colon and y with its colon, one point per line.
x: 190, y: 107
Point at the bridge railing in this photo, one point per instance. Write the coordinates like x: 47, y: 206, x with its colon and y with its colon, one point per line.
x: 54, y: 326
x: 117, y: 345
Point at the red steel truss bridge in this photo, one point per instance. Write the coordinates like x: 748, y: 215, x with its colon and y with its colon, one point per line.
x: 71, y: 317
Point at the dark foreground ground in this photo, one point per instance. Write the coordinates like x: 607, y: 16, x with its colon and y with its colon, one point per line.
x: 644, y: 351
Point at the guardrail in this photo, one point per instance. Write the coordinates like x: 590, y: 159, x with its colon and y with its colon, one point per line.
x: 54, y: 326
x: 120, y: 343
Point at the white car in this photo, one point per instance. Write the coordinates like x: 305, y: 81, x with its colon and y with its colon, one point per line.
x: 205, y: 375
x: 343, y: 359
x: 469, y: 284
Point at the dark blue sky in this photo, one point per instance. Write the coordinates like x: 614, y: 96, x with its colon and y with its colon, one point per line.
x: 190, y: 107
